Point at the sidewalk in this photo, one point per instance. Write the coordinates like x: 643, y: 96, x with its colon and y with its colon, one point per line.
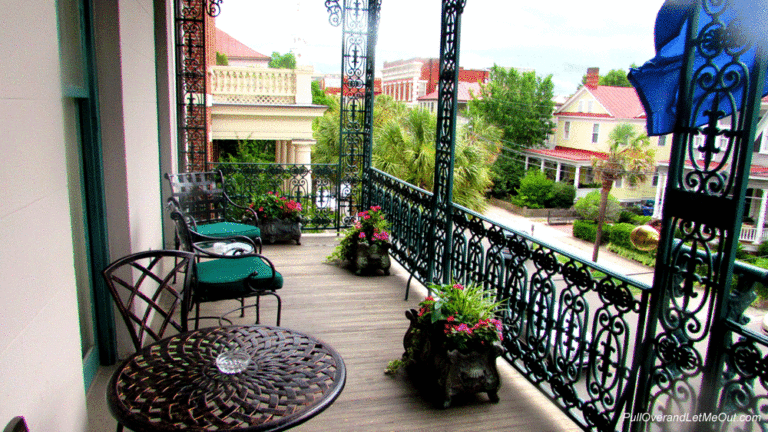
x: 560, y: 236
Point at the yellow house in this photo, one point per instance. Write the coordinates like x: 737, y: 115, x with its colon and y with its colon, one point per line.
x: 584, y: 124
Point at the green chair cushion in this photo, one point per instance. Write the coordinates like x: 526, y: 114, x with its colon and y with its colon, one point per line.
x: 227, y: 229
x: 222, y: 279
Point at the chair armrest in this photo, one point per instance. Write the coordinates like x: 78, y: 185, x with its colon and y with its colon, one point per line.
x: 206, y: 253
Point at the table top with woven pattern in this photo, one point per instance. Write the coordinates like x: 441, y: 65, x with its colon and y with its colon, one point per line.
x: 174, y: 384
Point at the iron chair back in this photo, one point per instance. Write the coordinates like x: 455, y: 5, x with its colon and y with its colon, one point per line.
x: 201, y: 195
x: 259, y: 279
x: 143, y: 288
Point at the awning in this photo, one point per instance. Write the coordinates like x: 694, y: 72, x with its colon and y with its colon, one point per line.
x: 728, y: 28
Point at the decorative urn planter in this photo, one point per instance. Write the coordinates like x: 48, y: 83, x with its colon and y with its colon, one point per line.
x: 279, y: 230
x: 443, y: 373
x: 370, y: 259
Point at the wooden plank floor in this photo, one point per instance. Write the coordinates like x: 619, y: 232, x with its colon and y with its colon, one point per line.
x: 363, y: 319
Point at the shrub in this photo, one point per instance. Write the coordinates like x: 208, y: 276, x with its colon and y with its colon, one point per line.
x: 587, y: 230
x: 620, y: 235
x: 534, y: 190
x: 640, y: 220
x: 588, y: 208
x: 561, y: 196
x: 762, y: 250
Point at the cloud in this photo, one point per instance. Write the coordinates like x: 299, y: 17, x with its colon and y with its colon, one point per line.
x: 558, y: 37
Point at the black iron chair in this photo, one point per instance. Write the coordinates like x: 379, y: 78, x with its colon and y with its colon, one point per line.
x: 236, y: 274
x: 17, y: 424
x: 143, y: 288
x: 201, y: 197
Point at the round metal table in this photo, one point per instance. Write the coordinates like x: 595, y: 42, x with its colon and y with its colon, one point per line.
x: 174, y: 384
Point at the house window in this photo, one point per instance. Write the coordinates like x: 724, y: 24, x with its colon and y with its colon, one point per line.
x: 581, y: 106
x: 662, y: 141
x: 595, y: 132
x: 589, y: 106
x: 567, y: 130
x: 655, y: 180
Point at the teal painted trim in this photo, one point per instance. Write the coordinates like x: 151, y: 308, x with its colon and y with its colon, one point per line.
x: 90, y: 366
x: 93, y: 166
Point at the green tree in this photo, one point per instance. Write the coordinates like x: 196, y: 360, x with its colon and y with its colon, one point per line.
x: 251, y: 151
x: 518, y: 103
x: 221, y: 59
x: 283, y: 61
x: 631, y: 158
x: 318, y: 95
x: 404, y: 146
x: 615, y: 78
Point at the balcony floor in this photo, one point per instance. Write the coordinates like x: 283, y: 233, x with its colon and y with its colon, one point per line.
x: 363, y: 319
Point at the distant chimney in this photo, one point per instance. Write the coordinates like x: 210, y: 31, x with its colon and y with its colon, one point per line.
x: 593, y: 77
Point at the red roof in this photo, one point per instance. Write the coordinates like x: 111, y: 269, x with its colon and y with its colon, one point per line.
x: 233, y: 48
x: 465, y: 93
x: 572, y: 154
x: 620, y: 102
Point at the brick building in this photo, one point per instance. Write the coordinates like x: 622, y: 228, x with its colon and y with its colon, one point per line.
x: 408, y: 80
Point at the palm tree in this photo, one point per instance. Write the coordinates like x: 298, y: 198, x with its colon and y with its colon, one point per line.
x: 630, y: 158
x: 404, y: 147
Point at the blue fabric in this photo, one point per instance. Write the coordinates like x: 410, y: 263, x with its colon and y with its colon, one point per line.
x: 657, y: 81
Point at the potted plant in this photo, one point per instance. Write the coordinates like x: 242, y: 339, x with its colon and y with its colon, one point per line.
x: 364, y: 249
x: 452, y: 344
x: 279, y: 217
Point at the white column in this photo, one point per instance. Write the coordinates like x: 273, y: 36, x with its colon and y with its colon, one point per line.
x: 303, y: 156
x: 659, y: 204
x: 577, y: 175
x: 557, y: 171
x: 281, y: 148
x: 761, y: 217
x: 526, y: 163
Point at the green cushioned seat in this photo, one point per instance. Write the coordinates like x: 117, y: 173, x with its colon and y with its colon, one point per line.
x: 224, y: 279
x: 228, y: 229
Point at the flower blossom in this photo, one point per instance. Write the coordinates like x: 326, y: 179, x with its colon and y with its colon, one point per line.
x: 459, y: 286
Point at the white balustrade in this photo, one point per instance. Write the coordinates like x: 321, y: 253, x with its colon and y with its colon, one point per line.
x: 246, y: 85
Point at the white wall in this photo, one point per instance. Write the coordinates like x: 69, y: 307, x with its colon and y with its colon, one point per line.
x: 129, y: 117
x: 40, y: 363
x: 40, y: 360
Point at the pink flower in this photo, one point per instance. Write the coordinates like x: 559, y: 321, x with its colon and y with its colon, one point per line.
x: 366, y: 216
x: 429, y: 298
x: 451, y: 318
x: 458, y: 286
x: 362, y: 235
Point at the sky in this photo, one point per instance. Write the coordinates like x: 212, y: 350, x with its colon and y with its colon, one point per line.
x: 561, y: 38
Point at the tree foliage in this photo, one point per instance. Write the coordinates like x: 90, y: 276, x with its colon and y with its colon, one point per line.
x: 283, y: 61
x: 404, y: 146
x: 630, y: 158
x: 614, y: 78
x: 518, y: 103
x: 318, y: 95
x: 221, y: 59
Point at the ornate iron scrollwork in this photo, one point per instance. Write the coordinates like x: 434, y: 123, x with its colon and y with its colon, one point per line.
x: 703, y: 208
x: 191, y: 87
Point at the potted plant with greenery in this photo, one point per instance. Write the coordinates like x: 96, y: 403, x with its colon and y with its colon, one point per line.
x: 452, y: 343
x: 364, y: 249
x: 279, y: 217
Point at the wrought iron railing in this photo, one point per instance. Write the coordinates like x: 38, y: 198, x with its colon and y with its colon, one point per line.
x: 325, y: 201
x: 571, y: 327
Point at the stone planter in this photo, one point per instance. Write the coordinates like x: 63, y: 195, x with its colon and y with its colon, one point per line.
x: 370, y: 259
x: 278, y: 230
x: 442, y: 373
